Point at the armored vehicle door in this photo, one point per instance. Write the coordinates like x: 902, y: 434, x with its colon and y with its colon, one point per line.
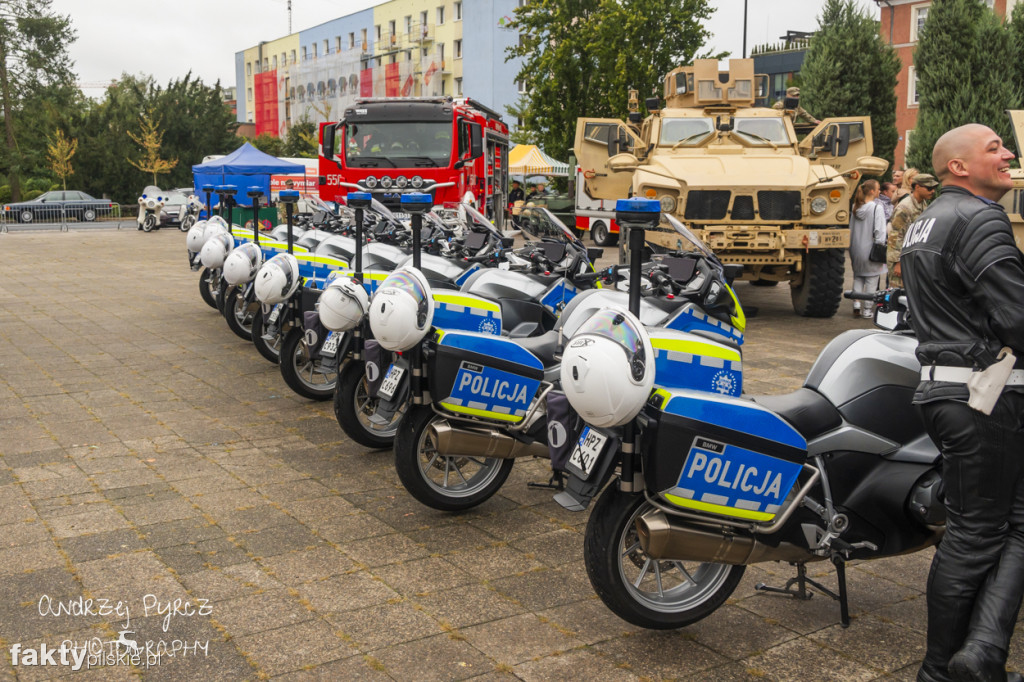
x: 1017, y: 123
x: 844, y: 144
x: 599, y: 140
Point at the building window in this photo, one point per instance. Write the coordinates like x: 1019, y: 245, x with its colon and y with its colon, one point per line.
x: 337, y: 43
x: 440, y: 16
x: 266, y: 64
x: 443, y: 88
x: 305, y: 53
x: 378, y: 32
x: 248, y: 94
x: 392, y: 28
x: 457, y: 49
x: 440, y: 54
x: 458, y: 87
x: 314, y: 50
x: 423, y: 22
x: 408, y: 24
x: 284, y: 59
x: 912, y: 80
x: 458, y: 13
x: 918, y: 15
x: 364, y: 40
x: 408, y: 55
x: 521, y: 87
x: 248, y: 68
x: 273, y: 63
x: 327, y: 49
x: 352, y: 40
x: 293, y: 56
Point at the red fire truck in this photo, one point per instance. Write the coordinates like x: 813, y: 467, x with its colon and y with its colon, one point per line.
x: 442, y: 146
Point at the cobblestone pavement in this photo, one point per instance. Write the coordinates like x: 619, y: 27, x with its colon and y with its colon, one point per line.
x: 152, y: 459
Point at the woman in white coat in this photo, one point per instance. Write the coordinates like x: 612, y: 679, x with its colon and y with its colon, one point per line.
x: 867, y: 227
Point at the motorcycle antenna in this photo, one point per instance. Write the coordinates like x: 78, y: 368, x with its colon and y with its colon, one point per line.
x: 416, y: 204
x: 255, y: 193
x: 359, y: 201
x: 209, y: 209
x: 288, y: 197
x: 225, y: 196
x: 635, y: 216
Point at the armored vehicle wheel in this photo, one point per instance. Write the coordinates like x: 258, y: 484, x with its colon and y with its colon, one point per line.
x: 601, y: 236
x: 657, y: 594
x: 821, y: 291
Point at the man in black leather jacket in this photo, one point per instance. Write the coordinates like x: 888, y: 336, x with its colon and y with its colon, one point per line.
x: 964, y: 276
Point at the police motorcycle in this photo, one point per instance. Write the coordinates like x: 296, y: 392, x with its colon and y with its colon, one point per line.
x: 454, y: 252
x: 149, y: 212
x: 190, y: 211
x: 312, y: 352
x: 695, y: 481
x: 486, y: 411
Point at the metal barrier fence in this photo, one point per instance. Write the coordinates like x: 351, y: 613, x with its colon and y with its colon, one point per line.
x: 65, y: 215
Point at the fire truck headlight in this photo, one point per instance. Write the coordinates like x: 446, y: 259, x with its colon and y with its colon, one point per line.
x: 370, y: 181
x: 416, y: 181
x: 401, y: 181
x: 385, y: 181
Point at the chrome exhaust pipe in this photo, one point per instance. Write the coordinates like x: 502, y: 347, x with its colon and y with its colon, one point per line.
x: 673, y: 539
x: 452, y: 441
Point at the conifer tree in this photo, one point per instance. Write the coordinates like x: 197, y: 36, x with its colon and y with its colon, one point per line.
x: 850, y: 70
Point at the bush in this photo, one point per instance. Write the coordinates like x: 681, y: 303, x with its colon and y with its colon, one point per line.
x: 30, y: 194
x: 5, y: 194
x: 41, y: 184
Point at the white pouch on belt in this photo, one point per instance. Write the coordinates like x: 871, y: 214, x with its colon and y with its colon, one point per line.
x: 986, y: 386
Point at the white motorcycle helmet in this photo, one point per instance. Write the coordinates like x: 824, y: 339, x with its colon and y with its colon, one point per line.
x: 217, y: 220
x: 242, y: 263
x: 402, y: 309
x: 196, y: 238
x: 278, y: 279
x: 608, y: 368
x: 342, y: 304
x: 216, y: 249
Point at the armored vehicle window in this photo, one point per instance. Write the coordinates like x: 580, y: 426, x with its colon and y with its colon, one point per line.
x: 684, y: 83
x: 599, y: 132
x: 691, y: 131
x: 761, y: 131
x: 741, y: 90
x: 708, y: 90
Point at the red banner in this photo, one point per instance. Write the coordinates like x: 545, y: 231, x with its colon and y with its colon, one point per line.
x: 265, y: 103
x: 430, y: 72
x: 366, y: 83
x: 392, y: 81
x: 407, y: 87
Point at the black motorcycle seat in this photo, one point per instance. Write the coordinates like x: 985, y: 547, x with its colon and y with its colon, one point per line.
x: 544, y: 347
x: 807, y: 411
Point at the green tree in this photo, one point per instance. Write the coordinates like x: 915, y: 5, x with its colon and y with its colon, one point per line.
x: 302, y: 139
x: 964, y: 75
x: 269, y: 144
x: 582, y: 56
x: 33, y: 57
x: 849, y: 70
x: 151, y: 139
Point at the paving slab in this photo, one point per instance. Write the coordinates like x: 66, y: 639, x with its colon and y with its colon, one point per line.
x: 149, y: 456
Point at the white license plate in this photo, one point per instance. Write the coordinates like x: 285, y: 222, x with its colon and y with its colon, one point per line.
x: 402, y: 216
x: 390, y: 383
x: 330, y: 346
x: 274, y: 314
x: 587, y: 451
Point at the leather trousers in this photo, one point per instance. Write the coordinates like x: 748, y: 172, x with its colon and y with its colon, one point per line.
x: 976, y: 579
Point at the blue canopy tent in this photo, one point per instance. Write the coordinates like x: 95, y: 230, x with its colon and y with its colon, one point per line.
x: 244, y: 168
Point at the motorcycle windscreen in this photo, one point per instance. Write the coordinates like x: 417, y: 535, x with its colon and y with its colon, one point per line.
x: 739, y: 460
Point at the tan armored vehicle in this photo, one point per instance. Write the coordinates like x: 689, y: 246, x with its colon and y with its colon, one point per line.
x: 737, y: 175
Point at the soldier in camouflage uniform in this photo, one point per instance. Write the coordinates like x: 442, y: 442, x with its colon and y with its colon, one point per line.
x: 800, y: 115
x: 906, y: 212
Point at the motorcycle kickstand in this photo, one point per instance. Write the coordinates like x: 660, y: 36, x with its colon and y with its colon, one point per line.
x: 556, y: 482
x: 802, y: 581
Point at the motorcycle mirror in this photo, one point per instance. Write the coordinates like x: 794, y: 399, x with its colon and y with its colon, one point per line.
x: 593, y: 253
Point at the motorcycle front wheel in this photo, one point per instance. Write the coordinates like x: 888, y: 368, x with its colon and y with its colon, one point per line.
x: 236, y: 313
x: 353, y: 408
x: 187, y: 223
x: 271, y: 350
x: 148, y: 223
x: 303, y: 373
x: 652, y: 593
x: 207, y: 288
x: 448, y: 483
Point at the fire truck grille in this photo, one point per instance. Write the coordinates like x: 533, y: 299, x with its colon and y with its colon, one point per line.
x: 707, y: 204
x: 743, y: 208
x: 776, y: 205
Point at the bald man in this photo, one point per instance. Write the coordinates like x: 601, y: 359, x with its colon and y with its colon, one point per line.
x: 964, y: 277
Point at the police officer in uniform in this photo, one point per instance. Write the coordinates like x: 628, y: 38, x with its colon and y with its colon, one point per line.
x: 965, y: 280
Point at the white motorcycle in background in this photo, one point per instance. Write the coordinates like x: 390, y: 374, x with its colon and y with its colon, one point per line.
x: 190, y: 212
x: 150, y: 207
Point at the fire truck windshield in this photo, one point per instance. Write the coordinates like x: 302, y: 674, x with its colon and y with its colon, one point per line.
x: 398, y: 144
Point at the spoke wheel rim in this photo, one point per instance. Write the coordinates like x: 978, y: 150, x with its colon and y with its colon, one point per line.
x: 365, y: 406
x: 309, y: 371
x: 454, y: 476
x: 663, y: 585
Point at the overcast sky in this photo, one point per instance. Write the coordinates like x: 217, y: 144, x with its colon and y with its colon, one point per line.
x: 167, y: 39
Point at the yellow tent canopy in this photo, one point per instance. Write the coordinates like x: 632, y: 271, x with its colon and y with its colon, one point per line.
x: 528, y: 159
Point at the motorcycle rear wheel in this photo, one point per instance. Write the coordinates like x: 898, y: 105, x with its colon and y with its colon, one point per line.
x: 207, y: 290
x: 445, y: 483
x: 302, y: 372
x: 239, y: 320
x: 271, y: 350
x: 353, y: 407
x: 657, y: 594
